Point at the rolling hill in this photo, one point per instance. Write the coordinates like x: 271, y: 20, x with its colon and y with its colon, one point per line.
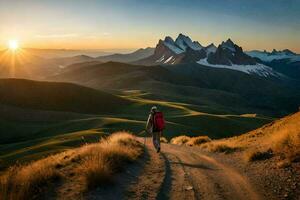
x: 58, y: 97
x: 194, y: 84
x: 41, y: 118
x: 129, y: 57
x: 25, y: 64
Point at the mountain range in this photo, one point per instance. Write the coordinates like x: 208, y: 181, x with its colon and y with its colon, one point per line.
x: 226, y: 55
x: 275, y: 55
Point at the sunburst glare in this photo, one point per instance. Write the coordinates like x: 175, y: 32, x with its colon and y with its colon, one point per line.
x: 13, y: 45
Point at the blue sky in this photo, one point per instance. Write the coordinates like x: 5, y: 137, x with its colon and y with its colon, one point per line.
x: 129, y: 24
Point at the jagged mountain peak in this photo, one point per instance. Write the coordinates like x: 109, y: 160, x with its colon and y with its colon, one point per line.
x: 274, y: 51
x: 185, y: 42
x: 288, y: 52
x: 285, y: 51
x: 170, y: 44
x: 211, y: 45
x: 229, y: 44
x: 211, y: 48
x: 182, y: 37
x: 181, y: 44
x: 229, y: 41
x: 169, y: 39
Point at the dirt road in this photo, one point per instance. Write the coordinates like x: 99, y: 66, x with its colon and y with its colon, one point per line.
x: 180, y: 172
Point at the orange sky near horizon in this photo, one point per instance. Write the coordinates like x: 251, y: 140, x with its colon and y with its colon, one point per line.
x: 111, y: 43
x: 131, y: 24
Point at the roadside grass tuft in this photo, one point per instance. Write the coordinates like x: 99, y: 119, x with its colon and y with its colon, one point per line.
x: 223, y: 148
x: 256, y: 155
x: 196, y: 141
x: 163, y: 140
x: 104, y: 159
x: 205, y: 143
x: 180, y: 140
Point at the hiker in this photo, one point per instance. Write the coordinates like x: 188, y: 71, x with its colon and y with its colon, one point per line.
x: 155, y: 125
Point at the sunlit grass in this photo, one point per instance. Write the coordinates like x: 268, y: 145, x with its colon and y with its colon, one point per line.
x: 180, y: 140
x: 97, y: 162
x: 280, y: 138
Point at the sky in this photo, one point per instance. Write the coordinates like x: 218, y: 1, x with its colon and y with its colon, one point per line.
x: 132, y: 24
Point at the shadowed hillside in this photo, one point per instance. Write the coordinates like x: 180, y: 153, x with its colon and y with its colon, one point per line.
x: 58, y: 97
x: 224, y: 90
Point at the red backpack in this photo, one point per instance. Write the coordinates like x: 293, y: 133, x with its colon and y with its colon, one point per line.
x: 158, y: 122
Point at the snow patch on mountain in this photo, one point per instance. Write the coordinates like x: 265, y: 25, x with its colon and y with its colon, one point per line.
x: 169, y: 59
x: 174, y: 48
x: 161, y: 59
x: 181, y: 44
x: 259, y: 69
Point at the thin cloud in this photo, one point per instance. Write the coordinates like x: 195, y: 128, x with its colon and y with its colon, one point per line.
x: 70, y: 35
x: 106, y: 34
x: 92, y: 37
x: 101, y: 35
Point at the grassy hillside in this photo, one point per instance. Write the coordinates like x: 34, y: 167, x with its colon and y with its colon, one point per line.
x: 222, y: 90
x: 58, y: 96
x: 280, y: 138
x: 91, y: 165
x: 38, y: 118
x: 28, y: 134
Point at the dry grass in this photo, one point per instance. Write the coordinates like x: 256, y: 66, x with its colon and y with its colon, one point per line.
x: 256, y: 155
x: 288, y: 146
x: 281, y: 136
x: 280, y: 139
x: 97, y: 163
x: 108, y: 157
x: 180, y: 140
x: 26, y: 182
x: 205, y: 143
x: 163, y: 140
x: 196, y: 141
x: 220, y: 147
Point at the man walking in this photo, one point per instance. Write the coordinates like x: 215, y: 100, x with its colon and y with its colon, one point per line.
x: 155, y: 125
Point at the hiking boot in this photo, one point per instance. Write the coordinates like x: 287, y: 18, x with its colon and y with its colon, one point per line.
x: 158, y: 150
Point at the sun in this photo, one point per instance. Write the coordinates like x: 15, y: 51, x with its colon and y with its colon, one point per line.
x: 13, y: 45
